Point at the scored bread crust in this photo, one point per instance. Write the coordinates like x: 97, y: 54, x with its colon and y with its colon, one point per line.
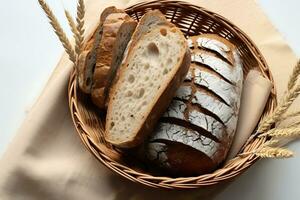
x: 162, y: 100
x: 201, y: 120
x: 215, y: 44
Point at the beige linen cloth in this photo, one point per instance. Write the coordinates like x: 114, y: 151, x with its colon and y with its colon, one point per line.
x: 46, y: 159
x: 255, y: 94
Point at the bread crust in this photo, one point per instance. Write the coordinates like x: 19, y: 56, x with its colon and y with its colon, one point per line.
x: 215, y: 44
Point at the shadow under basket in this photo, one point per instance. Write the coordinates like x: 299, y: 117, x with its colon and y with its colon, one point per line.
x: 192, y: 20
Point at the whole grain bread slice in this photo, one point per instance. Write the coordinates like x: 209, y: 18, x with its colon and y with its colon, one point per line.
x: 89, y: 56
x: 156, y: 63
x: 117, y: 31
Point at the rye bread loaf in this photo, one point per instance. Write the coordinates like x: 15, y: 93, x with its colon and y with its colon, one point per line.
x: 153, y: 69
x: 195, y: 133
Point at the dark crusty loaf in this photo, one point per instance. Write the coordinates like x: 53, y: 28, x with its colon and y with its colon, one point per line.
x: 195, y: 134
x: 153, y: 69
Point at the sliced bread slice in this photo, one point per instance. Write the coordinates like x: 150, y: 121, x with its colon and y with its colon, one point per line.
x: 89, y: 55
x: 149, y: 21
x: 117, y: 31
x: 156, y: 64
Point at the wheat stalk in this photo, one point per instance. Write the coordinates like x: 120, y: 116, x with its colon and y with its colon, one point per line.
x: 71, y: 23
x: 80, y: 29
x: 270, y: 152
x: 59, y: 31
x: 265, y: 151
x: 282, y: 132
x: 294, y: 76
x: 292, y: 93
x: 78, y: 38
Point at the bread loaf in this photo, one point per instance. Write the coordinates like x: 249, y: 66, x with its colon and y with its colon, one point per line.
x: 195, y: 133
x: 153, y: 69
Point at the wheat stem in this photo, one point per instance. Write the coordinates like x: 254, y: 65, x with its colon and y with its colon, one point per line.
x: 59, y: 31
x: 80, y: 29
x: 294, y: 76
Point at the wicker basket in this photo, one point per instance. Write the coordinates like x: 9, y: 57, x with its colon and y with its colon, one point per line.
x: 192, y: 20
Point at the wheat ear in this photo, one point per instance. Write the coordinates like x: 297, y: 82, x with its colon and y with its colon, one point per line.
x: 271, y: 142
x: 294, y: 76
x: 270, y: 152
x: 71, y: 23
x: 282, y: 132
x: 279, y: 110
x: 59, y: 31
x: 80, y: 29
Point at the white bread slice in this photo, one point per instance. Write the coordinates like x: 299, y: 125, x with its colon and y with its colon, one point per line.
x: 157, y: 61
x: 149, y: 21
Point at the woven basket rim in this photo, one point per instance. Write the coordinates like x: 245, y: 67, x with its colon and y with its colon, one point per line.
x: 162, y: 181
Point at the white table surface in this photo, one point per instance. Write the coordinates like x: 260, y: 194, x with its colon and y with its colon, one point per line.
x: 27, y: 34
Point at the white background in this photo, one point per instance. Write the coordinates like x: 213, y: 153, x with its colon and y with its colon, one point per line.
x: 29, y: 51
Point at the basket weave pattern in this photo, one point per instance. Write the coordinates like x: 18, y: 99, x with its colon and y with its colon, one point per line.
x: 192, y: 20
